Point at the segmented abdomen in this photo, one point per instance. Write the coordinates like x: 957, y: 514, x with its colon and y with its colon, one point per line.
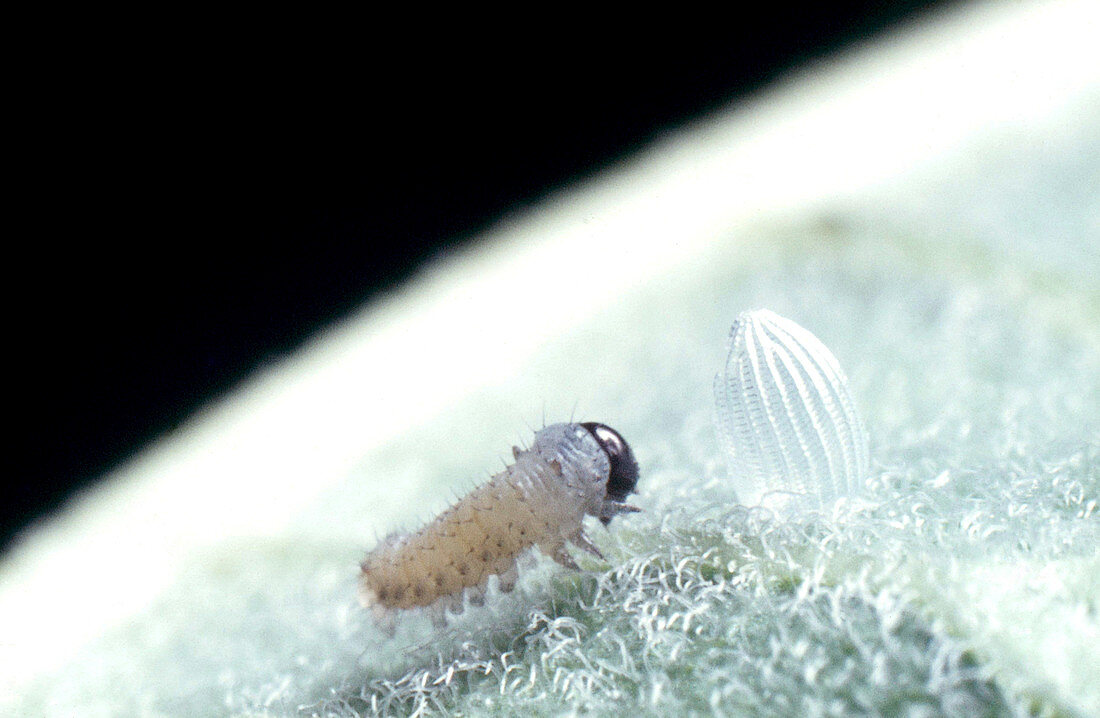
x: 481, y: 535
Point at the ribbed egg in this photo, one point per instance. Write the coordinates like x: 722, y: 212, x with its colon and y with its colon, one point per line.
x: 785, y: 418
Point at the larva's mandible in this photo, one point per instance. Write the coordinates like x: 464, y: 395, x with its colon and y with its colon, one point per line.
x: 571, y: 470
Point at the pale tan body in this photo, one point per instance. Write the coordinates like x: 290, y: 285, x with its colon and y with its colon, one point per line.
x: 540, y: 500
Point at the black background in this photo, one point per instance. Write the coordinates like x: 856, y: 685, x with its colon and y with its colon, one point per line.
x: 203, y: 202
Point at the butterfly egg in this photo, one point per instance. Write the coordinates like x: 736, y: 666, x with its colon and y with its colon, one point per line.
x: 785, y: 418
x: 570, y: 471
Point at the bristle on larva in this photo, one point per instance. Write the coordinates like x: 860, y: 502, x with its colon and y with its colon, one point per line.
x: 571, y: 470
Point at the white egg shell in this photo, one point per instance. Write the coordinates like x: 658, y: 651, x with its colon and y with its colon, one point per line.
x: 785, y: 418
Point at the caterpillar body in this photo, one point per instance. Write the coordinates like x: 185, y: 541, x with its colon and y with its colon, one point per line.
x: 570, y: 471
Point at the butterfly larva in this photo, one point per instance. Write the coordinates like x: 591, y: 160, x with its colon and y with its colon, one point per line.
x: 571, y: 470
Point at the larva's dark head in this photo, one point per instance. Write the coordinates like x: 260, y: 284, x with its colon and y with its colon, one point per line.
x: 624, y: 469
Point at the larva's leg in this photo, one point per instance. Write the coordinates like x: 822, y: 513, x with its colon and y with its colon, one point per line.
x: 476, y: 595
x: 454, y: 603
x: 438, y: 613
x: 561, y: 555
x: 507, y: 580
x: 580, y: 538
x: 527, y: 560
x: 384, y: 619
x: 610, y: 509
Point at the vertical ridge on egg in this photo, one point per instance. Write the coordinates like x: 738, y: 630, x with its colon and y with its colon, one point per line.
x: 785, y: 417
